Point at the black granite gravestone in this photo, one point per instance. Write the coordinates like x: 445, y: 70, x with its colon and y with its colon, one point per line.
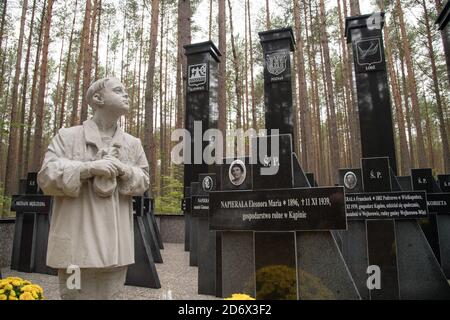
x: 186, y: 207
x: 32, y: 226
x: 375, y: 240
x: 150, y: 236
x: 261, y: 252
x: 193, y: 228
x: 422, y: 179
x: 202, y: 107
x: 206, y: 238
x: 143, y: 272
x: 443, y: 223
x: 149, y: 210
x: 437, y: 226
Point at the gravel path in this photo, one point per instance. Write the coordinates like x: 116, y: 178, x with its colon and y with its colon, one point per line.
x: 177, y: 278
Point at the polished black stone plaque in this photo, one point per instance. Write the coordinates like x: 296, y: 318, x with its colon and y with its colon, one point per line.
x: 278, y: 210
x: 444, y: 182
x: 31, y: 203
x: 386, y: 205
x: 376, y: 174
x: 274, y: 168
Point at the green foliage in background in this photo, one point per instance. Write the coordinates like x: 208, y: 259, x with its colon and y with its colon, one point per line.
x: 170, y: 201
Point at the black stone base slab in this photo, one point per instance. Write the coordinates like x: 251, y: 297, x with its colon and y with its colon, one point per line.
x: 238, y: 263
x: 151, y: 238
x: 41, y: 242
x: 443, y: 223
x: 420, y: 275
x: 321, y: 269
x: 218, y: 264
x: 29, y: 252
x: 187, y: 231
x: 354, y: 251
x: 193, y: 242
x: 143, y: 272
x: 206, y: 258
x: 157, y: 233
x: 382, y: 252
x: 275, y: 266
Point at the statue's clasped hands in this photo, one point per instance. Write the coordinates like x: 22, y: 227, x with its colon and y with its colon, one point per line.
x: 108, y: 166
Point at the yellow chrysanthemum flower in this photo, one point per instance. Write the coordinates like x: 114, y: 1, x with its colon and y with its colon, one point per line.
x: 16, y: 283
x: 12, y: 293
x: 240, y: 296
x: 8, y: 287
x: 12, y: 298
x: 26, y: 296
x: 3, y: 297
x: 38, y: 288
x: 2, y: 291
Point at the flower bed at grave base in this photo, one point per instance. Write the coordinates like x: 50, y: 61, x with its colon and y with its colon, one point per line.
x: 239, y: 296
x: 14, y: 288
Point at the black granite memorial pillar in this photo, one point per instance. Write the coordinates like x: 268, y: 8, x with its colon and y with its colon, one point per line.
x: 442, y: 20
x: 375, y: 118
x: 277, y: 47
x: 423, y: 278
x: 201, y: 107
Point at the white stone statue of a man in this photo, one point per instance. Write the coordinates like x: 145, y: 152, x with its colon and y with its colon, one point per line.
x: 93, y: 171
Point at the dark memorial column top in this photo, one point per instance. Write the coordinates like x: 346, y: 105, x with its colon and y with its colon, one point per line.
x: 444, y: 16
x: 203, y: 47
x: 363, y: 21
x: 275, y: 39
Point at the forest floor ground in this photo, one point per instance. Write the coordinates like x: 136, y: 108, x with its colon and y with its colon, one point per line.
x: 175, y: 276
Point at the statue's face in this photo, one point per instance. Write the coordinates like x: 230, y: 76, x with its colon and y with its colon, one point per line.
x: 115, y: 97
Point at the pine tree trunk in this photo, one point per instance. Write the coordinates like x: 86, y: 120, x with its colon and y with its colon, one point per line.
x: 307, y: 155
x: 335, y: 164
x: 37, y: 147
x: 88, y: 40
x: 161, y: 101
x: 252, y: 83
x: 34, y: 88
x: 404, y: 153
x: 222, y: 94
x: 412, y: 88
x: 184, y: 36
x: 66, y: 71
x: 21, y: 160
x: 354, y: 110
x: 237, y: 84
x: 149, y: 139
x: 437, y: 94
x: 11, y: 179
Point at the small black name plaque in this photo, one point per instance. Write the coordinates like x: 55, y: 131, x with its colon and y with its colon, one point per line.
x: 31, y: 203
x: 299, y: 209
x: 387, y: 205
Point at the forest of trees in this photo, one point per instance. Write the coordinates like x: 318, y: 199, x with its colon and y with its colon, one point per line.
x: 51, y: 51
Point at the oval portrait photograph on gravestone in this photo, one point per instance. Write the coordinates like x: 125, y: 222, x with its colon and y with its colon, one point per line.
x: 207, y: 184
x: 350, y: 180
x: 237, y: 173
